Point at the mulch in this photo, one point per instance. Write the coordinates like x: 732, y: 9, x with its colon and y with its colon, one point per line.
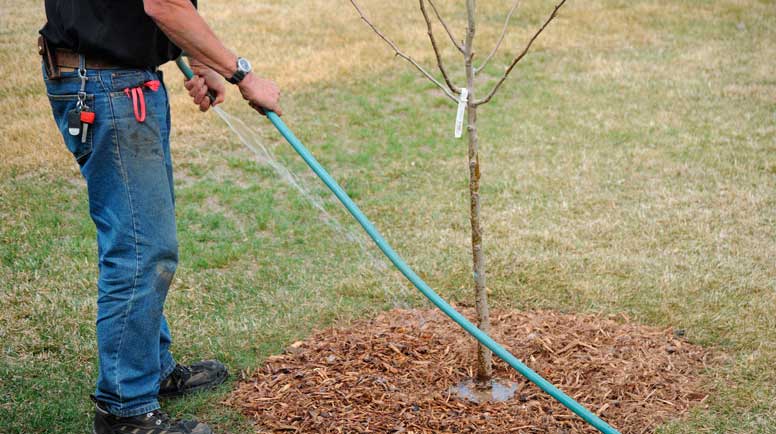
x: 393, y: 374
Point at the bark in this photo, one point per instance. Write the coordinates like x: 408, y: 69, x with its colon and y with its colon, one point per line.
x: 484, y: 355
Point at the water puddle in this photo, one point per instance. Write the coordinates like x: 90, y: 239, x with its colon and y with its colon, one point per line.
x: 496, y: 391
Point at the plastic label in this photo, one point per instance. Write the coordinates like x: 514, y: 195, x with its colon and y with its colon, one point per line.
x: 462, y: 103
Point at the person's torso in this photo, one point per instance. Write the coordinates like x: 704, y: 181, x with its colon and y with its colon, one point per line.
x: 118, y: 30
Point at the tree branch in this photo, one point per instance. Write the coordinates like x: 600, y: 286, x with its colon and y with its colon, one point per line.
x: 402, y: 55
x: 500, y: 39
x: 438, y: 55
x: 468, y: 44
x: 447, y: 29
x: 521, y: 55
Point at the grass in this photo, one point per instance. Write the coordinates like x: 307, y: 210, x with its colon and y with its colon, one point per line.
x: 629, y: 167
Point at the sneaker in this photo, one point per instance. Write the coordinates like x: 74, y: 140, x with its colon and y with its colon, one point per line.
x: 193, y: 378
x: 155, y: 422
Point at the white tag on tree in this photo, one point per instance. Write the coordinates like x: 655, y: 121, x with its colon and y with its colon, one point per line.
x: 462, y: 102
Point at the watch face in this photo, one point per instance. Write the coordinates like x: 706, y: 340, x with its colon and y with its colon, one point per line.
x: 243, y: 65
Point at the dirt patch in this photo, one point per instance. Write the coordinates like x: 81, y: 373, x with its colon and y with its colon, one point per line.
x: 393, y: 375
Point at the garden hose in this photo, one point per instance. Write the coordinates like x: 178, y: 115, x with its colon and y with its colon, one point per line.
x: 438, y: 301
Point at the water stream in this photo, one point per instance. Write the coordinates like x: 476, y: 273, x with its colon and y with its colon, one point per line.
x: 398, y: 292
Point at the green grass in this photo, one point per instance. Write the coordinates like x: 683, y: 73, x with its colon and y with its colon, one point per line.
x: 636, y: 177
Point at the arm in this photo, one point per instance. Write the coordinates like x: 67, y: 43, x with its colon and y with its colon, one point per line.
x: 181, y: 22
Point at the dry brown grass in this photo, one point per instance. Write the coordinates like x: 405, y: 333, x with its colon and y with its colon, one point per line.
x: 314, y: 43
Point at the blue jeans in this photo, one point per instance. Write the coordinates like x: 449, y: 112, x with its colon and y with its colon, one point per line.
x: 128, y: 172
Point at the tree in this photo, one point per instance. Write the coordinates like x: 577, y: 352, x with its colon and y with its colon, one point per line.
x: 467, y: 96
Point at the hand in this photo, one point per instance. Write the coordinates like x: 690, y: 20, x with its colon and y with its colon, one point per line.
x: 260, y: 93
x: 205, y: 80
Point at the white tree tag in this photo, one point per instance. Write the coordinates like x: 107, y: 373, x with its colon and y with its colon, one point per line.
x: 462, y: 102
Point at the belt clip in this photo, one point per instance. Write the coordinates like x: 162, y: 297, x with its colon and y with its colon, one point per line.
x: 81, y: 104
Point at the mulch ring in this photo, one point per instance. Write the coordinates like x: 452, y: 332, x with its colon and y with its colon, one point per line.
x: 393, y: 374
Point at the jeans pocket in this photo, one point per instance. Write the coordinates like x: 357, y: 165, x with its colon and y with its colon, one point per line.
x: 61, y: 106
x: 141, y: 138
x: 128, y: 78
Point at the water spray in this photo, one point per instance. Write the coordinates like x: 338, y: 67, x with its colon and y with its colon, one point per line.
x: 422, y: 286
x: 264, y: 154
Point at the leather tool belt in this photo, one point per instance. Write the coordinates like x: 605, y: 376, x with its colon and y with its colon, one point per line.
x: 58, y: 60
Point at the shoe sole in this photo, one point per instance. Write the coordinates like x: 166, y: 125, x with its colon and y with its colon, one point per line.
x: 94, y: 431
x: 219, y: 381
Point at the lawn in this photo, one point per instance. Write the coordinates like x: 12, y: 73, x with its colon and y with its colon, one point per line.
x: 629, y: 167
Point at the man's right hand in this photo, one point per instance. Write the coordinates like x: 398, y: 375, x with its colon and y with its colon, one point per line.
x: 261, y: 93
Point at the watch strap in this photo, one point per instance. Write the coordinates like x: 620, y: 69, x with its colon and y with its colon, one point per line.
x: 237, y: 77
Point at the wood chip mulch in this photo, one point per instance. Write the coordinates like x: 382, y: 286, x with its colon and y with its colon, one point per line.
x: 393, y: 374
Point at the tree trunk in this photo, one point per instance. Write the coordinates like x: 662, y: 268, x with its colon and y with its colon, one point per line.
x: 484, y: 356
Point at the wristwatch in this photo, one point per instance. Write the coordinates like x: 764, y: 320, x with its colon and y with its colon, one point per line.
x: 243, y: 68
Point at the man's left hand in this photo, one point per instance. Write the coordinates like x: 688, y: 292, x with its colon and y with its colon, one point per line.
x: 205, y: 80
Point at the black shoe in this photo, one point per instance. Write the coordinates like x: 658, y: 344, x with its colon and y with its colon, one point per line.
x: 155, y: 422
x: 193, y: 378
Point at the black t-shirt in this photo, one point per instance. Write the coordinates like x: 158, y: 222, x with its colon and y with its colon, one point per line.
x: 118, y: 30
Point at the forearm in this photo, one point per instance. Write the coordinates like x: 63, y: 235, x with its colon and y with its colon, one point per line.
x: 181, y: 22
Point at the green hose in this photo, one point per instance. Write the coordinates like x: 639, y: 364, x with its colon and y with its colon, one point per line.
x: 456, y: 316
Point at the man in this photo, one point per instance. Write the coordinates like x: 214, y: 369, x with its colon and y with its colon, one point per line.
x: 108, y: 99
